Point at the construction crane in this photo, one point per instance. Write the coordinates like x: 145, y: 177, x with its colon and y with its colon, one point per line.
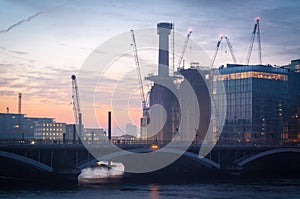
x: 215, y: 115
x: 138, y: 69
x: 217, y: 50
x: 255, y: 32
x: 186, y: 41
x: 76, y: 104
x: 145, y: 119
x: 231, y: 49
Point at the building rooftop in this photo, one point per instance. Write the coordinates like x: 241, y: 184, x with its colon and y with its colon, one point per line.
x: 234, y: 68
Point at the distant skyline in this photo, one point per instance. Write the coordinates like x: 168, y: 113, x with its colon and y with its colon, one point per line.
x: 42, y: 43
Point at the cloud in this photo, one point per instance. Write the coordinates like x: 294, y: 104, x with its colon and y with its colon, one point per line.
x: 50, y: 83
x: 18, y: 52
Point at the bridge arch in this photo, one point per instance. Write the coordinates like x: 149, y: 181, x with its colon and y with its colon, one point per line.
x: 192, y: 156
x: 27, y: 161
x: 267, y: 153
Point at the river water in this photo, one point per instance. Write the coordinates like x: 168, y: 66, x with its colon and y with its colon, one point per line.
x: 114, y: 187
x: 259, y: 188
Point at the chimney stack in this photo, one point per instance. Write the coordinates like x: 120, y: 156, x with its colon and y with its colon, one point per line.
x: 163, y: 30
x: 20, y: 103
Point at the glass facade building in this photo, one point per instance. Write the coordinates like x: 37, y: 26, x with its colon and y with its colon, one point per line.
x: 256, y: 105
x: 294, y: 94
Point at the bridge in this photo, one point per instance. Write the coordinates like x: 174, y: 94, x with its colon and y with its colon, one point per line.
x: 63, y: 162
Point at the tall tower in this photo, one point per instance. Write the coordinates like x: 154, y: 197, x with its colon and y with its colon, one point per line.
x: 163, y: 30
x: 19, y: 116
x: 20, y: 103
x: 162, y: 92
x: 76, y: 106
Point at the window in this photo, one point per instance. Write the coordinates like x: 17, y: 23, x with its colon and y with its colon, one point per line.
x: 251, y: 74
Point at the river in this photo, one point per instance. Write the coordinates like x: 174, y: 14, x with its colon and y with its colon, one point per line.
x: 109, y: 184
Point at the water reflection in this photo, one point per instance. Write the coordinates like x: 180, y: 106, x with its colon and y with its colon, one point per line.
x: 154, y: 191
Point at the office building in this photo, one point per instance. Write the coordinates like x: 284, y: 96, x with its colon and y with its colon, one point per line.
x: 18, y: 126
x: 294, y: 92
x: 257, y: 97
x: 50, y: 131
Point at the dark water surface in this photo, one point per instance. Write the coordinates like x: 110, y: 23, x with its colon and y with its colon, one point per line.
x: 238, y: 188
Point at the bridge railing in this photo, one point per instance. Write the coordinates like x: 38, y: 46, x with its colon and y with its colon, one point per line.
x: 120, y: 142
x: 6, y: 141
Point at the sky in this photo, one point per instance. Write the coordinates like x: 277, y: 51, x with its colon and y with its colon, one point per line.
x: 42, y: 43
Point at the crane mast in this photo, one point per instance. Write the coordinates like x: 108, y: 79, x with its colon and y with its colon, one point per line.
x: 76, y: 104
x: 138, y: 69
x: 216, y: 52
x: 186, y: 41
x: 145, y: 119
x: 256, y: 31
x: 231, y: 50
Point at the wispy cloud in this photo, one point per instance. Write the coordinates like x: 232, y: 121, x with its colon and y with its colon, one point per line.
x: 18, y: 52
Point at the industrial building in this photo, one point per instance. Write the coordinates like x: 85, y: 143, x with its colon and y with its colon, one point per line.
x: 195, y: 78
x: 161, y: 92
x: 94, y: 135
x: 262, y: 101
x: 13, y: 125
x: 262, y: 104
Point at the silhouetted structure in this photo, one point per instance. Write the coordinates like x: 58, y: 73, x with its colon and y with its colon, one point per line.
x: 197, y: 82
x: 161, y: 92
x: 10, y: 125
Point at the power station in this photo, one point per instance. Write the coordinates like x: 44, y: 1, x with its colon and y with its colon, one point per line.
x: 262, y: 100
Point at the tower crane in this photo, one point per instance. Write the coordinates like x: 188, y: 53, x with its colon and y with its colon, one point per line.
x: 138, y: 69
x: 145, y: 120
x: 215, y: 115
x: 255, y: 32
x: 231, y: 49
x: 217, y: 49
x: 186, y: 41
x: 76, y: 104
